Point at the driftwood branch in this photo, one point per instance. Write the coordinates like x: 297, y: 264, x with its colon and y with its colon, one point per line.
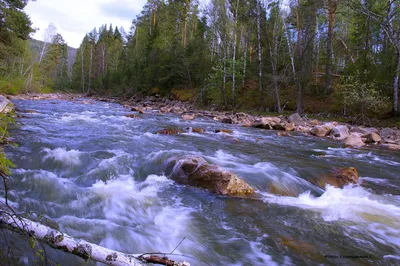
x: 78, y: 247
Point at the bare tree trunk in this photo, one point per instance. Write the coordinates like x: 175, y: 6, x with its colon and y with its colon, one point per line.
x: 300, y: 106
x: 224, y: 81
x: 90, y: 68
x: 274, y: 62
x: 43, y: 52
x: 78, y: 247
x: 245, y: 58
x: 234, y: 56
x: 332, y: 5
x: 259, y: 56
x: 396, y: 85
x: 317, y: 53
x: 103, y: 58
x: 83, y: 70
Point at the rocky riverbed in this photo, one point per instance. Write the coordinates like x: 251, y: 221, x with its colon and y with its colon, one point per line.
x: 350, y: 136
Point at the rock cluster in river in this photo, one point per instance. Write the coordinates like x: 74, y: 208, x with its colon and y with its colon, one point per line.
x: 350, y: 136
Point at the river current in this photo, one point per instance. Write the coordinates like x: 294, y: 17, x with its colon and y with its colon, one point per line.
x: 99, y: 176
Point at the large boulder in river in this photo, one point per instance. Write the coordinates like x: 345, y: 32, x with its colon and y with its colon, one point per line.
x: 389, y: 135
x: 339, y: 178
x: 195, y: 171
x: 5, y: 105
x: 321, y: 131
x: 354, y: 141
x: 340, y: 132
x: 373, y: 138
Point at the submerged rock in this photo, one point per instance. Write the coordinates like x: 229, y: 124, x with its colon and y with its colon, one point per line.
x: 197, y: 130
x: 226, y: 131
x: 195, y: 171
x: 227, y: 120
x: 339, y: 178
x: 188, y: 117
x: 132, y: 116
x: 139, y: 110
x: 170, y: 131
x: 392, y: 146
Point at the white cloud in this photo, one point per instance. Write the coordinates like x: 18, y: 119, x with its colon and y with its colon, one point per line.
x: 75, y: 18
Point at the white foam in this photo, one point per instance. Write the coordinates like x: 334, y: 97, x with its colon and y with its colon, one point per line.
x: 71, y: 157
x: 79, y: 117
x: 349, y: 203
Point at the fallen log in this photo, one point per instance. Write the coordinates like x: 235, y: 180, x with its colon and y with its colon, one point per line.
x: 78, y: 247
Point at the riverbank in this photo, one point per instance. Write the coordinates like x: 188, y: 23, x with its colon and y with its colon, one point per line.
x: 350, y: 136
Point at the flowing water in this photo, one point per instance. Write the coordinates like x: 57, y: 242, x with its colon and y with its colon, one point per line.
x: 99, y: 175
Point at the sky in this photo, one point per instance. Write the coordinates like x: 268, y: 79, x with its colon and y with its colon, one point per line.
x: 74, y: 18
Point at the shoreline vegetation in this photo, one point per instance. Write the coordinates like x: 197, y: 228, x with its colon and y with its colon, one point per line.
x: 348, y: 135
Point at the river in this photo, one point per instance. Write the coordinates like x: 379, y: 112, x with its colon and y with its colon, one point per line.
x: 99, y: 175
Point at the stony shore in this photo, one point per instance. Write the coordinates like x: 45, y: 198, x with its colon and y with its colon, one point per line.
x: 350, y: 136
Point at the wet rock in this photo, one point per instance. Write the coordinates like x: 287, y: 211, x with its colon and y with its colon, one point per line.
x: 373, y: 138
x: 390, y: 136
x: 395, y: 147
x: 164, y: 110
x: 226, y: 131
x: 340, y: 132
x: 260, y: 124
x: 188, y: 117
x: 362, y: 131
x: 295, y: 118
x: 300, y: 247
x: 227, y: 120
x: 303, y: 129
x: 314, y: 122
x: 321, y: 131
x: 354, y: 141
x: 5, y: 105
x: 339, y: 178
x: 195, y: 171
x: 177, y: 110
x: 29, y: 111
x: 279, y: 127
x: 290, y: 127
x: 138, y: 109
x: 132, y: 116
x: 280, y: 191
x: 170, y: 131
x: 386, y: 133
x: 284, y: 134
x: 198, y: 130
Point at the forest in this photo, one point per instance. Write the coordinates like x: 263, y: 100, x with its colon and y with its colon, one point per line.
x: 325, y: 56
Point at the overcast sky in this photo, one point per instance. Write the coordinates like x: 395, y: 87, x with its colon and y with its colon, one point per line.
x: 75, y: 18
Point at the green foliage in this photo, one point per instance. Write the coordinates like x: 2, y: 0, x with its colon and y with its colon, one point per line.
x: 362, y: 96
x: 5, y: 164
x: 12, y: 86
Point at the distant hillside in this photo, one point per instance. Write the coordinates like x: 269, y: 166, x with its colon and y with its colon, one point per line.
x: 37, y: 45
